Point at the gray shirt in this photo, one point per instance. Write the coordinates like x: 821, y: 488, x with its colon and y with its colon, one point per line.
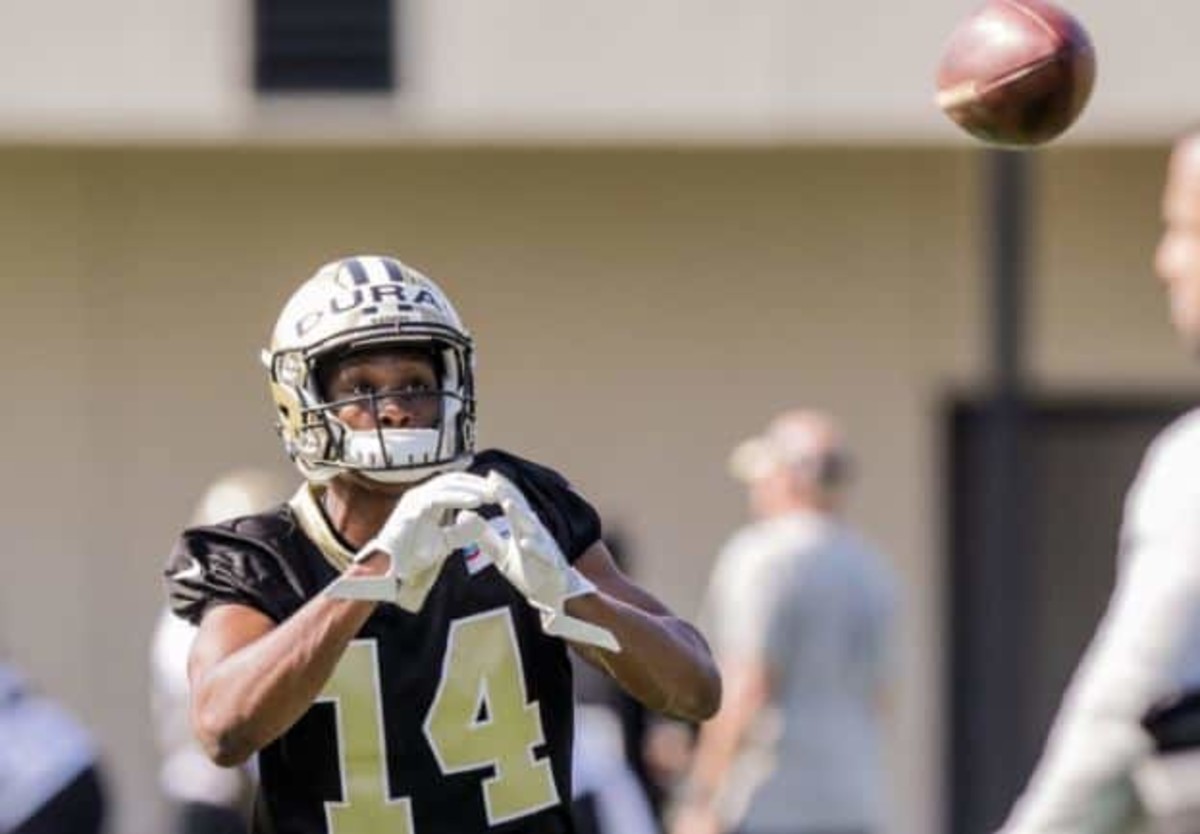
x: 812, y: 600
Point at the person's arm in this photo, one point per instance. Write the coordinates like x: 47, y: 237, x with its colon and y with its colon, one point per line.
x: 748, y: 686
x: 664, y: 662
x: 745, y: 603
x: 619, y: 627
x: 252, y: 679
x: 1083, y: 784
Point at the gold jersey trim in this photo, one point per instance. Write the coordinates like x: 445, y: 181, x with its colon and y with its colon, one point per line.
x: 306, y: 505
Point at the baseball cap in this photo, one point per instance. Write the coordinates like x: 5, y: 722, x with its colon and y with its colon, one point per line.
x: 798, y: 438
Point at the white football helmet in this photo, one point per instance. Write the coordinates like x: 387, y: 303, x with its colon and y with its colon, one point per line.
x: 360, y: 302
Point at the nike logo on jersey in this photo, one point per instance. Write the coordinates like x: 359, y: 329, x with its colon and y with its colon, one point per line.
x: 192, y: 571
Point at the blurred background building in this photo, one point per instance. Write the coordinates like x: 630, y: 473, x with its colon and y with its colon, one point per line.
x: 668, y: 219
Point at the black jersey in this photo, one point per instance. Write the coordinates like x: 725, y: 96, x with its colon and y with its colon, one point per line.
x: 455, y: 720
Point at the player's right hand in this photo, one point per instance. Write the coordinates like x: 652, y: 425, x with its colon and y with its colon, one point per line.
x: 532, y: 561
x: 417, y: 538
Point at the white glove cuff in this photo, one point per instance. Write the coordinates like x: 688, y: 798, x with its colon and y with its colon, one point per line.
x: 559, y: 624
x: 577, y: 585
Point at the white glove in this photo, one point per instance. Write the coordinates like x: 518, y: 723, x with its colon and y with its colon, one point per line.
x: 533, y: 562
x: 418, y: 541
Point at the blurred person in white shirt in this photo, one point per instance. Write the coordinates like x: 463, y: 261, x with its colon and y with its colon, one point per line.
x: 612, y: 794
x: 1147, y: 646
x: 801, y: 611
x: 50, y: 772
x: 205, y: 798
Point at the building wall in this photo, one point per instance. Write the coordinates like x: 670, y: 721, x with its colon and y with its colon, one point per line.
x: 637, y: 312
x: 758, y: 70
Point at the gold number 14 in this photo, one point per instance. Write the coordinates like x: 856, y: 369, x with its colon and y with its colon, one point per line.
x: 480, y: 718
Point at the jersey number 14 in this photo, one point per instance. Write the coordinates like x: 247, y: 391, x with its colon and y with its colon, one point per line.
x: 480, y: 717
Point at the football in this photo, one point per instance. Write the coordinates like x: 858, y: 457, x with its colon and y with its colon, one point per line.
x: 1016, y: 73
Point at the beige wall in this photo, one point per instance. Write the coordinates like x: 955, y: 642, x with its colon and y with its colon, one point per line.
x: 636, y: 313
x: 756, y: 70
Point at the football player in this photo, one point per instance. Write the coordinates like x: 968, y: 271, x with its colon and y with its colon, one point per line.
x: 392, y: 642
x: 1148, y: 644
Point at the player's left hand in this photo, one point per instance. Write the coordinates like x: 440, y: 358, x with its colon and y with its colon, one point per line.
x: 533, y: 562
x: 423, y: 529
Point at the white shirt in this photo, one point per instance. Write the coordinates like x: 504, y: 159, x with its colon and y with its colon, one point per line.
x: 1146, y: 647
x: 187, y: 774
x: 42, y: 749
x: 808, y: 597
x: 599, y: 768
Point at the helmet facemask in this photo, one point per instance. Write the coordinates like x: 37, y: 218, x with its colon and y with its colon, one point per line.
x: 390, y: 454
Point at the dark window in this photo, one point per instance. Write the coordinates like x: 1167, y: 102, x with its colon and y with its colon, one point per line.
x: 323, y: 45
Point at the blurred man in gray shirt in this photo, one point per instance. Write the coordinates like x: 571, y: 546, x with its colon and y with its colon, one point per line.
x: 800, y: 611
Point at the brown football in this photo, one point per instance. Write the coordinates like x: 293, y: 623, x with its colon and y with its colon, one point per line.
x: 1016, y: 72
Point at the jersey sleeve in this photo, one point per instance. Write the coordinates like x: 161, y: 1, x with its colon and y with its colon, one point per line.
x: 570, y: 518
x: 207, y: 568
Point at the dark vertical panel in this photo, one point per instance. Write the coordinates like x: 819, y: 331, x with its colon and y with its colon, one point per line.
x: 992, y: 570
x: 990, y: 615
